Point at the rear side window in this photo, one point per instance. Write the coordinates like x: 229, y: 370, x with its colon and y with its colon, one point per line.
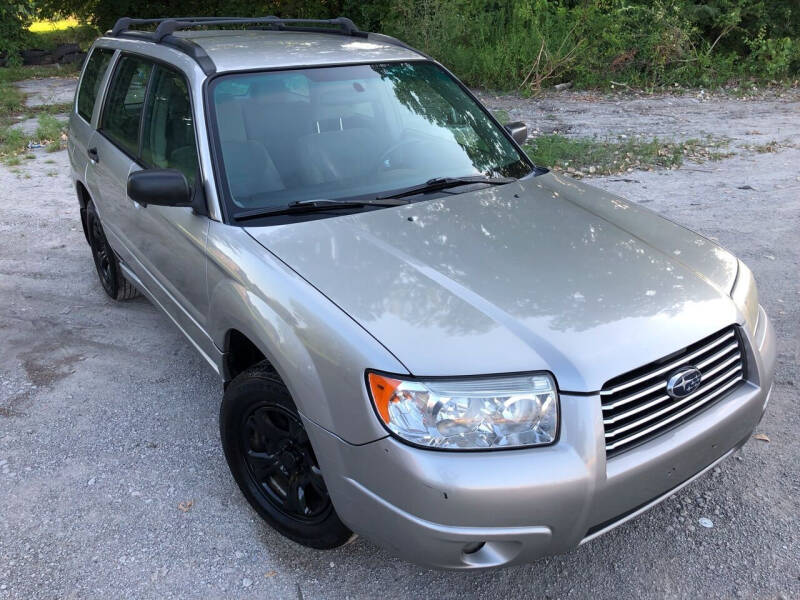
x: 92, y: 77
x: 125, y: 102
x: 168, y: 129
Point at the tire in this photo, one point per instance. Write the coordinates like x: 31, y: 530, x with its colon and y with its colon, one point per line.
x: 36, y: 56
x: 105, y: 260
x: 63, y: 50
x: 272, y: 461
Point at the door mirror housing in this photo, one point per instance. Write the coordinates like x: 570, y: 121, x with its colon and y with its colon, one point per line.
x: 162, y: 187
x: 518, y: 131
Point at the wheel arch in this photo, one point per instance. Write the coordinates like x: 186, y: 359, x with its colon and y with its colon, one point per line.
x: 83, y: 200
x: 239, y: 354
x: 249, y: 331
x: 320, y: 353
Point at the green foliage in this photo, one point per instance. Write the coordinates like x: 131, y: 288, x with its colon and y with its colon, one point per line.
x: 49, y: 128
x: 15, y: 16
x: 82, y: 34
x: 509, y: 44
x: 10, y: 99
x: 533, y: 44
x: 12, y: 141
x: 18, y: 73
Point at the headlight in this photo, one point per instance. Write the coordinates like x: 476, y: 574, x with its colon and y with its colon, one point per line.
x: 468, y: 414
x: 745, y: 295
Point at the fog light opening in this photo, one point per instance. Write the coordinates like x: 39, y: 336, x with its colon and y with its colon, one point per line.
x: 473, y: 547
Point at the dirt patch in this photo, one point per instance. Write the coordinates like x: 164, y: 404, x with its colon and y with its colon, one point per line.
x: 752, y: 120
x: 53, y: 90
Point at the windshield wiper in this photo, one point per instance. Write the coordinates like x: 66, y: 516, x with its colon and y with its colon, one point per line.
x: 442, y: 183
x: 309, y: 206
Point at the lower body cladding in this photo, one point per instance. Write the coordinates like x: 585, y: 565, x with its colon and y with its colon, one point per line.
x: 462, y: 510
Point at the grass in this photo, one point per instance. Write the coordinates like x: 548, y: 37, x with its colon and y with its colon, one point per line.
x: 49, y: 34
x: 10, y: 99
x: 49, y: 128
x: 59, y: 25
x: 11, y: 74
x: 501, y: 115
x: 14, y: 143
x: 13, y: 110
x: 595, y: 156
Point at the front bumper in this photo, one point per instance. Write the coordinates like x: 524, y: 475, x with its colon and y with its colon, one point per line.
x: 429, y: 506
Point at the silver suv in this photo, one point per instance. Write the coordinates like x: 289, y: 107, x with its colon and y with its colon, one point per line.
x: 424, y: 338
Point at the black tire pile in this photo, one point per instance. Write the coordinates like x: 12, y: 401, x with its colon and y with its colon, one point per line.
x: 62, y: 54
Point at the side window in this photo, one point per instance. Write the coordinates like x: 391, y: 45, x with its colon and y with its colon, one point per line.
x: 168, y: 131
x: 92, y: 77
x: 125, y: 101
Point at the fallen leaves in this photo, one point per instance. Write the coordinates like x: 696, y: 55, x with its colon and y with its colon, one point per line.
x: 762, y: 436
x: 185, y: 506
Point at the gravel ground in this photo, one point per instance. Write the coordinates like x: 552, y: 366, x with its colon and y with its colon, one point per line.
x: 112, y: 479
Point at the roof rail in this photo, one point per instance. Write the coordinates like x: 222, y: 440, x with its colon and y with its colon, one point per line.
x: 167, y: 26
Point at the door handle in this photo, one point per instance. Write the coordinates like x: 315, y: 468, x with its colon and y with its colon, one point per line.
x: 93, y: 155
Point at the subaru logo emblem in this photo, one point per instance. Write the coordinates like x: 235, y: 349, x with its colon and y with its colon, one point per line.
x: 684, y: 382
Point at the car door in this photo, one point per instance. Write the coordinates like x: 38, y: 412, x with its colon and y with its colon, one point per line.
x: 164, y: 247
x: 113, y: 148
x: 170, y: 242
x: 81, y: 118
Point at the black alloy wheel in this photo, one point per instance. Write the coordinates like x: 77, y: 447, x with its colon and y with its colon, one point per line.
x: 273, y: 462
x: 105, y: 261
x: 282, y: 464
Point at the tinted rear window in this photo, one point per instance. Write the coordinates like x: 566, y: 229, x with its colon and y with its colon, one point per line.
x: 92, y: 77
x: 124, y: 103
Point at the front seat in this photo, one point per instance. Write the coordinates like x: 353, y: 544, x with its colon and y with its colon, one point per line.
x: 336, y: 155
x: 248, y: 166
x: 250, y: 172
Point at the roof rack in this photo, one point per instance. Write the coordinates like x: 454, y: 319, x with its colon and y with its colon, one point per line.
x: 168, y: 26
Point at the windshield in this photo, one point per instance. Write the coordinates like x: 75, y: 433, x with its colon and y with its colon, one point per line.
x: 351, y: 132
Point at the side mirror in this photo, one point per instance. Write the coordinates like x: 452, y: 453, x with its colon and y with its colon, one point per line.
x: 162, y: 187
x: 518, y: 131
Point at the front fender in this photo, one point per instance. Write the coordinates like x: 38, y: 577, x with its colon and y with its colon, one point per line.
x: 319, y: 351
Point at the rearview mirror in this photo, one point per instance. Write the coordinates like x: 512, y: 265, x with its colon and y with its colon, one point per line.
x: 162, y: 187
x: 518, y: 131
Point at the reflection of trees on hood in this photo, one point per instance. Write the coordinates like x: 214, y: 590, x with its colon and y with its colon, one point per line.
x: 536, y: 257
x: 429, y: 92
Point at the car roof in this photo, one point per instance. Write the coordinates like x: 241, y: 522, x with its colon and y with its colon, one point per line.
x: 239, y: 50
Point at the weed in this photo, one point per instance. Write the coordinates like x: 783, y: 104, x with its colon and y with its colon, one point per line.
x: 12, y: 141
x: 29, y: 157
x: 49, y: 128
x: 771, y: 146
x: 10, y: 99
x: 501, y: 115
x: 11, y: 74
x: 594, y: 156
x: 54, y: 147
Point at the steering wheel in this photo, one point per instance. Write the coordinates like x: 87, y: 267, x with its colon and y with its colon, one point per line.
x: 384, y: 157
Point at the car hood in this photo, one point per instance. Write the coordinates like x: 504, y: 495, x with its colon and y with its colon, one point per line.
x: 542, y: 274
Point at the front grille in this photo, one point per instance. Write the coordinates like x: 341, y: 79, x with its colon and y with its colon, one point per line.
x: 636, y: 406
